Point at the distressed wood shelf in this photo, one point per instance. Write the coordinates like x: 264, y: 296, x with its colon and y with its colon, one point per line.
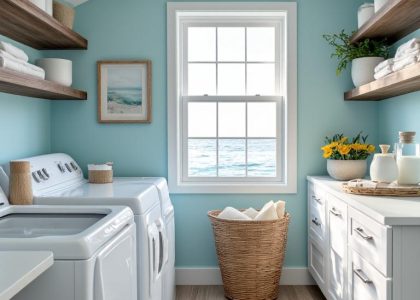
x: 21, y: 84
x: 393, y: 21
x: 24, y: 22
x: 396, y: 84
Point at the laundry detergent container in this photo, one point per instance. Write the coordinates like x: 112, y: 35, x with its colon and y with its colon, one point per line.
x: 251, y: 255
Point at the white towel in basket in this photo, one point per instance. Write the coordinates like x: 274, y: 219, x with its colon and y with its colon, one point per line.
x: 230, y: 213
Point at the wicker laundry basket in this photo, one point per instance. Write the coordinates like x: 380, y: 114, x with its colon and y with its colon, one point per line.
x: 251, y: 255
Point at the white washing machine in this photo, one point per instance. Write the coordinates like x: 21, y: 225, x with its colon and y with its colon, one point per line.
x: 94, y: 249
x: 58, y: 180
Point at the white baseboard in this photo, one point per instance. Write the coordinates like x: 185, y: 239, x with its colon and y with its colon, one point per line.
x: 211, y: 276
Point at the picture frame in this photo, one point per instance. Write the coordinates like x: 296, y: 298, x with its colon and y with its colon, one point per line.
x: 124, y: 91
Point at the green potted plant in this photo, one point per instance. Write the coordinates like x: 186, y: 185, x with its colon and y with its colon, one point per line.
x: 347, y: 159
x: 364, y: 56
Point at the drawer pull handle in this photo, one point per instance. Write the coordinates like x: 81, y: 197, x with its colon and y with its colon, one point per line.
x: 362, y: 276
x: 316, y: 199
x: 361, y: 232
x: 335, y: 212
x: 316, y: 222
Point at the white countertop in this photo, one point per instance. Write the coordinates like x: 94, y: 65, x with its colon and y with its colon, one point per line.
x: 19, y: 268
x: 385, y: 210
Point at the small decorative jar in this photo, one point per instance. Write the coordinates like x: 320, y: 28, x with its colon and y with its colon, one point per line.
x: 365, y: 13
x: 20, y: 183
x: 407, y: 153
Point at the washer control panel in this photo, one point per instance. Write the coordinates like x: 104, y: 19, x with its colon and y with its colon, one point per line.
x: 51, y: 171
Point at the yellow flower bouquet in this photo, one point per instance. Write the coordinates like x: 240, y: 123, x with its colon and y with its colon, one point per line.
x: 340, y: 147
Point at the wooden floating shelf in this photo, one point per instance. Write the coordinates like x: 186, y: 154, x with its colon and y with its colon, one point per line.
x: 393, y: 21
x: 396, y: 84
x: 21, y: 84
x: 24, y: 22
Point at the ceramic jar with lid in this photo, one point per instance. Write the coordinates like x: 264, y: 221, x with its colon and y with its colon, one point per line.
x: 384, y: 168
x: 365, y: 13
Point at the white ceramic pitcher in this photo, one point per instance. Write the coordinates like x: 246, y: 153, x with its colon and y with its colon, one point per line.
x: 384, y: 166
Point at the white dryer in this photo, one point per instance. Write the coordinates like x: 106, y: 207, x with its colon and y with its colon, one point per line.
x: 58, y: 180
x: 169, y: 285
x: 94, y: 249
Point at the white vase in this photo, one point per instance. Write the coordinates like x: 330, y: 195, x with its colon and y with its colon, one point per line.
x: 379, y: 4
x: 365, y: 13
x: 346, y: 169
x: 57, y: 70
x: 363, y: 69
x: 39, y: 3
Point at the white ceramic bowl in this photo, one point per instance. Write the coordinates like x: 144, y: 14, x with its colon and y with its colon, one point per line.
x: 346, y: 169
x: 57, y: 70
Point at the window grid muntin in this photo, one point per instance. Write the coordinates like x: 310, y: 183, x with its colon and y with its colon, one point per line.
x: 278, y: 24
x: 280, y: 156
x: 280, y: 117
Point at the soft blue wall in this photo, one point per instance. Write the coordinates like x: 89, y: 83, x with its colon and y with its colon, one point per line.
x: 136, y: 29
x: 399, y: 113
x: 24, y: 122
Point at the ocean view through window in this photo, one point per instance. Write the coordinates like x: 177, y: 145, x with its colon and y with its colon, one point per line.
x: 233, y: 125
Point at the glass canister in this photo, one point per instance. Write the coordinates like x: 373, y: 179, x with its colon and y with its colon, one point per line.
x: 407, y: 153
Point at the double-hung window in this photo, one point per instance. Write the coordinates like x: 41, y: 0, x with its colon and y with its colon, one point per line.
x: 232, y: 97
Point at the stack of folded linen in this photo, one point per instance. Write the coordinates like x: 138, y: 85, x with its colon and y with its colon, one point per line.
x: 407, y: 54
x: 15, y: 59
x: 270, y: 211
x: 384, y: 68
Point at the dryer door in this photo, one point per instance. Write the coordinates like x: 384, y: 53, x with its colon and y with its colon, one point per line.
x: 116, y: 269
x: 155, y: 241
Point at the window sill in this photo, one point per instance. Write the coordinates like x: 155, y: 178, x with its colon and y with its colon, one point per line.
x: 232, y: 188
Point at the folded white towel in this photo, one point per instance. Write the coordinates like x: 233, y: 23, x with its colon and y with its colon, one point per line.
x: 230, y: 213
x: 280, y: 208
x: 19, y: 61
x: 251, y: 212
x: 383, y: 72
x: 408, y: 46
x: 26, y: 68
x: 15, y: 51
x: 403, y: 63
x: 385, y: 64
x: 361, y: 183
x: 268, y: 212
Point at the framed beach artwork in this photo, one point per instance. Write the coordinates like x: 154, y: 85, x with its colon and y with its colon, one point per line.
x: 125, y: 91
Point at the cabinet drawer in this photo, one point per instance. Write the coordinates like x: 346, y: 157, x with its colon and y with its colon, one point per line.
x: 371, y: 240
x: 337, y: 228
x: 316, y: 196
x: 317, y: 263
x: 317, y: 215
x: 365, y: 282
x: 317, y: 224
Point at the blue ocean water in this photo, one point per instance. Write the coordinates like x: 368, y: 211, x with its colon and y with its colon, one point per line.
x: 203, y: 162
x: 125, y: 96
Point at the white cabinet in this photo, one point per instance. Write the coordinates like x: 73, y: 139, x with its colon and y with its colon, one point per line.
x: 337, y: 249
x: 365, y: 282
x: 317, y: 263
x: 372, y: 240
x: 363, y: 248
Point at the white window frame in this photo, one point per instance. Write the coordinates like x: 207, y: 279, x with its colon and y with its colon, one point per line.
x: 286, y: 179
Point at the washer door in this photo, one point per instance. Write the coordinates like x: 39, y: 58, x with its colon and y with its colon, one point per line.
x: 115, y: 268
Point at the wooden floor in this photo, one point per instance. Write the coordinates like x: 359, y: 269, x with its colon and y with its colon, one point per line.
x: 287, y: 292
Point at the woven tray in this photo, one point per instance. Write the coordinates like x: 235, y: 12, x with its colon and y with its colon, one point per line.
x: 383, y: 190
